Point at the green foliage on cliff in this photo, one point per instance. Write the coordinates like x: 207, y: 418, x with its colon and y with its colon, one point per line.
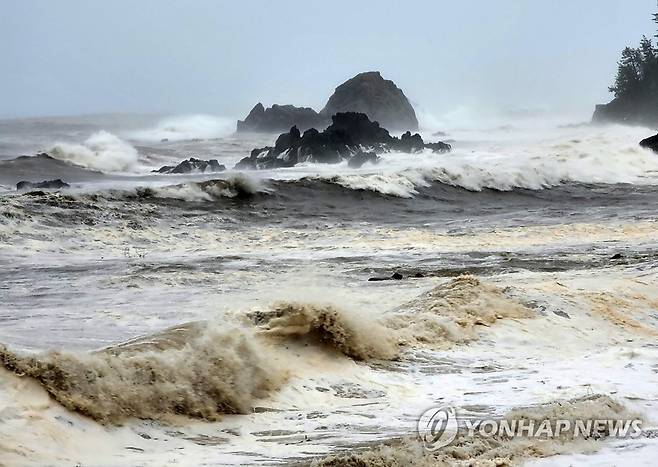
x: 637, y: 75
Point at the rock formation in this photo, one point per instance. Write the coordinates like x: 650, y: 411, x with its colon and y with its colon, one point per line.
x: 642, y: 111
x: 279, y: 118
x: 380, y: 99
x: 650, y: 143
x: 349, y: 136
x: 192, y: 165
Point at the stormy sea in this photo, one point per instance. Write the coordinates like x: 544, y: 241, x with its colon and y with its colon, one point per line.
x: 308, y: 315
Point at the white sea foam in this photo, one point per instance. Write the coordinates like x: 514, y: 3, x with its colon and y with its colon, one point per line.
x: 235, y: 186
x: 588, y: 155
x: 101, y: 151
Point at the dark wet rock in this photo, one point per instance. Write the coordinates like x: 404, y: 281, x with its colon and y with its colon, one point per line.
x: 438, y: 147
x: 629, y: 110
x: 45, y: 185
x: 288, y: 140
x: 411, y: 143
x: 380, y: 99
x: 350, y: 134
x: 650, y: 143
x: 361, y: 158
x: 561, y: 314
x: 395, y: 277
x: 192, y: 165
x: 279, y: 118
x: 617, y: 256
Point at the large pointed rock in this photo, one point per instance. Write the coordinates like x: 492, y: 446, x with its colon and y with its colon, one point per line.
x: 279, y: 118
x: 380, y: 99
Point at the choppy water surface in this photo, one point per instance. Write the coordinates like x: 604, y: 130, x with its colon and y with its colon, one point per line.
x: 528, y: 264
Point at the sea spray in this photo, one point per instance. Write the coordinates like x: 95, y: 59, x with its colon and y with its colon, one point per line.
x: 203, y: 375
x: 356, y: 336
x: 101, y: 151
x: 186, y: 127
x: 203, y: 370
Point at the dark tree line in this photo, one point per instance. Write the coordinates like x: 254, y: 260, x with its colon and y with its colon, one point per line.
x: 637, y: 75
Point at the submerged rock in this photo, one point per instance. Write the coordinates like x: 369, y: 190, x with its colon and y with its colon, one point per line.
x: 351, y: 134
x: 361, y: 158
x: 395, y: 277
x: 438, y: 147
x: 46, y: 184
x: 650, y: 143
x: 380, y: 99
x: 192, y: 165
x: 279, y: 118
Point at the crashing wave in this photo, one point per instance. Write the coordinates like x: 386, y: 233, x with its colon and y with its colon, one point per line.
x: 451, y: 312
x: 236, y: 186
x: 603, y: 156
x: 195, y: 370
x: 202, y: 370
x: 203, y: 375
x: 356, y: 336
x: 101, y: 151
x: 494, y: 450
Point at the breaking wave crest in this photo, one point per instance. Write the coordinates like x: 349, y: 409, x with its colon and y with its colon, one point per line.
x: 196, y: 370
x: 236, y: 186
x: 191, y: 371
x: 101, y: 151
x: 494, y: 450
x: 408, y: 182
x: 356, y: 336
x: 594, y: 156
x: 451, y: 312
x: 204, y: 370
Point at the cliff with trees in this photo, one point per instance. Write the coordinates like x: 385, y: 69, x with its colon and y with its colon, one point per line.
x: 635, y: 88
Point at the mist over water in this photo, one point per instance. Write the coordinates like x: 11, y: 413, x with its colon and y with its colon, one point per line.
x: 309, y: 313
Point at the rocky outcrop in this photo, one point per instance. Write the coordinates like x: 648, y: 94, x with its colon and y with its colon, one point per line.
x: 279, y: 118
x: 45, y: 185
x: 642, y: 110
x: 650, y: 143
x: 192, y: 165
x: 361, y: 158
x: 438, y: 147
x: 380, y: 99
x: 349, y: 135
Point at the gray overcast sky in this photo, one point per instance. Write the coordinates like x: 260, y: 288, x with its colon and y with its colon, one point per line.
x: 220, y: 57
